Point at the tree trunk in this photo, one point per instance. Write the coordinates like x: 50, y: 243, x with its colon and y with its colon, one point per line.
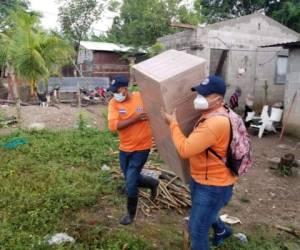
x: 18, y: 100
x: 33, y: 90
x: 15, y: 91
x: 11, y: 95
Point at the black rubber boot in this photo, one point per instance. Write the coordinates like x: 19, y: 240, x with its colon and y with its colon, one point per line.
x: 131, y: 211
x: 121, y: 190
x: 149, y: 182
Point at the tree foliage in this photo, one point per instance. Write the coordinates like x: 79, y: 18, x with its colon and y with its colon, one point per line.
x: 77, y: 16
x: 191, y: 16
x: 28, y: 52
x: 218, y: 10
x: 6, y: 7
x: 156, y: 49
x: 285, y: 11
x: 140, y: 23
x: 288, y: 13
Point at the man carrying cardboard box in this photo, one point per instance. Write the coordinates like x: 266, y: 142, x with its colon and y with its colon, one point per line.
x: 211, y: 181
x: 126, y: 115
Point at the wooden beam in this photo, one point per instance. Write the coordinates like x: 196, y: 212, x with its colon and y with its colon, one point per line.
x: 183, y: 25
x: 221, y: 63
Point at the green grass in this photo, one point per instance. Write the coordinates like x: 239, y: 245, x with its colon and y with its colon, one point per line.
x: 55, y: 173
x: 55, y: 184
x: 261, y: 237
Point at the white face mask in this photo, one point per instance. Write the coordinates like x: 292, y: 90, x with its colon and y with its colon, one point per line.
x: 200, y: 102
x: 119, y: 97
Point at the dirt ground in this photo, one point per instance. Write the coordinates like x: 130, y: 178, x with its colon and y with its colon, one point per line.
x: 64, y: 116
x: 260, y: 197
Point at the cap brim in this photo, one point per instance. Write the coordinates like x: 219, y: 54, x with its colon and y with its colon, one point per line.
x: 112, y: 88
x: 201, y: 90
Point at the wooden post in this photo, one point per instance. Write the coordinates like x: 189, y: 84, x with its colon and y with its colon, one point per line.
x: 186, y: 236
x: 287, y: 117
x: 16, y: 94
x: 78, y: 96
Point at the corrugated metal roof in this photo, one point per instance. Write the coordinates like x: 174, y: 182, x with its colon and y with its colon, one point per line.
x: 295, y: 44
x: 101, y: 46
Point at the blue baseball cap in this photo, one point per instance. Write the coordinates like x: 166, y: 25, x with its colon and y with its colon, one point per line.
x: 211, y: 85
x: 117, y: 82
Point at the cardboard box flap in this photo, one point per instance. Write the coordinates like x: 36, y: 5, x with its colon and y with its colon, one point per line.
x: 168, y: 64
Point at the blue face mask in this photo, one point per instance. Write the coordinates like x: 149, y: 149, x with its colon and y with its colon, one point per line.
x: 119, y: 97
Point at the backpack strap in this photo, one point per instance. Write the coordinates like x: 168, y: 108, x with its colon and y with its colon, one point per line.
x: 210, y: 150
x: 216, y: 154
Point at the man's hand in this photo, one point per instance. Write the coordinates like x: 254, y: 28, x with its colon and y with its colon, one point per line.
x: 168, y: 118
x: 141, y: 117
x: 137, y: 118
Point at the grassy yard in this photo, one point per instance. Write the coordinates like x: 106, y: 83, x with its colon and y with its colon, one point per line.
x: 55, y: 184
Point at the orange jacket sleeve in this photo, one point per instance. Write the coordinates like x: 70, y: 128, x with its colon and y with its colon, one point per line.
x: 113, y: 117
x: 197, y: 142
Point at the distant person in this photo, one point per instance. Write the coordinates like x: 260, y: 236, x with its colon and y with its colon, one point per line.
x: 43, y: 98
x: 55, y: 93
x: 211, y: 180
x: 126, y: 115
x: 249, y: 101
x: 234, y: 99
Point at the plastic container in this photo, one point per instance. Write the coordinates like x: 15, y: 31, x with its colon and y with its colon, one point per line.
x: 242, y: 237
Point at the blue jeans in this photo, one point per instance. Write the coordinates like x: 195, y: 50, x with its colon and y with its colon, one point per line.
x: 132, y: 164
x: 207, y: 201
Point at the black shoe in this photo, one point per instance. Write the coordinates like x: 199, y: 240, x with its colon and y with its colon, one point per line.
x: 220, y: 237
x: 121, y: 190
x: 154, y: 190
x: 149, y: 182
x: 126, y: 220
x: 131, y: 211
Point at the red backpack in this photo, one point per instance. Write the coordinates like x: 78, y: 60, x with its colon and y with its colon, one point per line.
x: 239, y: 153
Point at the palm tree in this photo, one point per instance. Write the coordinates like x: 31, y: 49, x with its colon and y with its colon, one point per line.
x: 36, y: 54
x: 29, y: 53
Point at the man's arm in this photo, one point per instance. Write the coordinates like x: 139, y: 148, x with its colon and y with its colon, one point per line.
x: 124, y: 124
x: 197, y: 142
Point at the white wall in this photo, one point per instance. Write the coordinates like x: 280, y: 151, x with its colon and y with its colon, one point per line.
x: 293, y: 125
x: 242, y: 37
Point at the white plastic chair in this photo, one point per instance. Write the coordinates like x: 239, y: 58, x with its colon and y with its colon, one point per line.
x: 250, y: 116
x: 266, y: 121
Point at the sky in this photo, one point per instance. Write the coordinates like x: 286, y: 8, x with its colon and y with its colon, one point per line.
x: 49, y: 10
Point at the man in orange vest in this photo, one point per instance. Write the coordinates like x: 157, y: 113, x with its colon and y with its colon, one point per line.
x: 211, y: 181
x: 126, y: 115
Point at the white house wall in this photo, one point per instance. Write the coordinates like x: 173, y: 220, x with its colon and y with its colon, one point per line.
x: 256, y: 28
x: 242, y: 37
x: 179, y: 41
x: 266, y: 72
x: 293, y: 85
x: 237, y: 60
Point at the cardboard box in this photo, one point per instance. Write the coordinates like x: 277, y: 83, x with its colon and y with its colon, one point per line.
x: 165, y: 81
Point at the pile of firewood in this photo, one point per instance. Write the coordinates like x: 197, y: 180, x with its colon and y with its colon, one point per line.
x: 172, y: 193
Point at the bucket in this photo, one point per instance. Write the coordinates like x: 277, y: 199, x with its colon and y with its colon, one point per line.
x: 276, y: 114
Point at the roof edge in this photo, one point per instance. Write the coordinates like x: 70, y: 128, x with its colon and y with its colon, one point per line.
x: 269, y: 19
